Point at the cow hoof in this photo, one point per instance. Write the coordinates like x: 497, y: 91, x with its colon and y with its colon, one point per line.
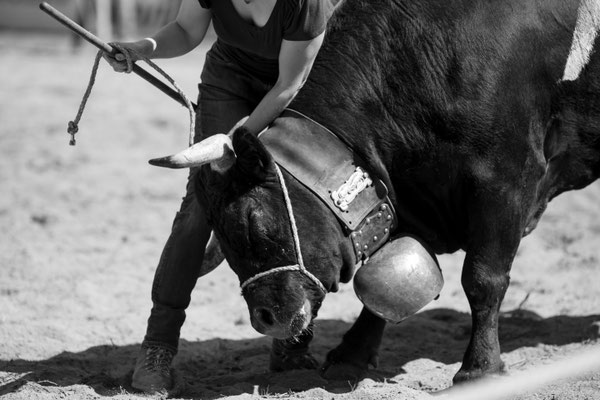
x: 288, y: 362
x: 478, y: 373
x: 348, y: 362
x: 342, y: 372
x: 347, y: 367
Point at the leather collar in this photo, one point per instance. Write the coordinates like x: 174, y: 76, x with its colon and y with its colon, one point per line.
x: 317, y: 158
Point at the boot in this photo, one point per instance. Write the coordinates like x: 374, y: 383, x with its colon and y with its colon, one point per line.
x: 152, y: 371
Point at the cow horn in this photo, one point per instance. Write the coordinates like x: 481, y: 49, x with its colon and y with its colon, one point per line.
x: 213, y: 256
x: 216, y: 150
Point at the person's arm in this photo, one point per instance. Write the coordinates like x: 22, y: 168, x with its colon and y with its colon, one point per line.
x: 295, y: 62
x: 177, y: 38
x: 185, y: 33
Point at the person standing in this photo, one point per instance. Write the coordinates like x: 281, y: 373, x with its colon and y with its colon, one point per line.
x: 263, y: 54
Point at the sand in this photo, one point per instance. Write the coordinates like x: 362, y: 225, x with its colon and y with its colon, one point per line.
x: 82, y: 229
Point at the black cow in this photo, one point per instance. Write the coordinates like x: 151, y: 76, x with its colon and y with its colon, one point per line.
x: 459, y: 108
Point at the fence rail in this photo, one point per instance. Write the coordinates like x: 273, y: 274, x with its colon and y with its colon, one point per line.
x: 521, y: 382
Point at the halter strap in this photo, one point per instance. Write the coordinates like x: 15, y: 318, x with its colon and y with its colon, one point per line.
x: 295, y: 267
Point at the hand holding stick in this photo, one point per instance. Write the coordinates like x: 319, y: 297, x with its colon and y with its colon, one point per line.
x: 96, y: 41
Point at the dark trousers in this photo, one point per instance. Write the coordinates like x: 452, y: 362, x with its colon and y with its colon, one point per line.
x: 227, y: 93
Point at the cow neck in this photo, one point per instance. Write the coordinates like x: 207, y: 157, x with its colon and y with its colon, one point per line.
x: 325, y: 165
x: 299, y: 266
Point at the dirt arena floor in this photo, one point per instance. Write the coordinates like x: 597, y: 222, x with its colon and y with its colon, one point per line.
x: 81, y: 230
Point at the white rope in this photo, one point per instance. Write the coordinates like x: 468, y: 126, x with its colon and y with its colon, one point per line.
x: 192, y: 113
x: 288, y: 204
x: 296, y: 267
x: 256, y: 277
x: 358, y: 181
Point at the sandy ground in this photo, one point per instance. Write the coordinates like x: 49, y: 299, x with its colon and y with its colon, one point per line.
x: 81, y: 230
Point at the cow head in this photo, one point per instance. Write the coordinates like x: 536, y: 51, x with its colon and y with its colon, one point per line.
x: 246, y: 207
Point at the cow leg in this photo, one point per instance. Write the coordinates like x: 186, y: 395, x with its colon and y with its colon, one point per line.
x: 359, y: 348
x: 485, y: 278
x: 293, y: 353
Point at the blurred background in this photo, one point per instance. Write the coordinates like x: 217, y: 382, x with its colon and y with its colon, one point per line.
x: 109, y: 19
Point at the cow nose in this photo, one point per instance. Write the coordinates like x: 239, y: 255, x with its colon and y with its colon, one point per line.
x: 264, y: 316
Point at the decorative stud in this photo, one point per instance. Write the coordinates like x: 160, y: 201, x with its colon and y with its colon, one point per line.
x: 375, y: 238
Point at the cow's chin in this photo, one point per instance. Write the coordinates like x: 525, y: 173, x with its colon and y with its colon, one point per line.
x: 278, y: 328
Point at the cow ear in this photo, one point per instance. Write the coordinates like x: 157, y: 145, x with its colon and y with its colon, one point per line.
x: 253, y: 159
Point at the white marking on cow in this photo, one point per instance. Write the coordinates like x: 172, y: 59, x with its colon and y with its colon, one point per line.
x: 586, y: 30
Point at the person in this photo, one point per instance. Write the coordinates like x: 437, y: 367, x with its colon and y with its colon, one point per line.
x: 263, y: 54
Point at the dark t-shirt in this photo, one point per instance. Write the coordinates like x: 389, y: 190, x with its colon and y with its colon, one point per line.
x: 258, y: 47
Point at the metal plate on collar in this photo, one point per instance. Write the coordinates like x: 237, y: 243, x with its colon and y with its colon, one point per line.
x: 322, y: 162
x: 373, y: 233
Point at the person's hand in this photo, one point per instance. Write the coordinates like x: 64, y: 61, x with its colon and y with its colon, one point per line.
x: 118, y: 60
x: 237, y: 125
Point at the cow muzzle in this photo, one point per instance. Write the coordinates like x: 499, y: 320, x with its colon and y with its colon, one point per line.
x: 279, y: 323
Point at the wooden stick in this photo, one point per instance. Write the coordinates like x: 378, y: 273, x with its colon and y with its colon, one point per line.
x: 96, y: 41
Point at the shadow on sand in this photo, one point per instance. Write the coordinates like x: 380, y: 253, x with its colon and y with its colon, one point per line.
x: 215, y: 368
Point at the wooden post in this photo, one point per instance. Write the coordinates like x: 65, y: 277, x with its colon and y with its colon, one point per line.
x: 103, y: 19
x: 127, y: 19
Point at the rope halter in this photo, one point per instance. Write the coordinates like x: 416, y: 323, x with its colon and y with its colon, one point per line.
x: 295, y: 267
